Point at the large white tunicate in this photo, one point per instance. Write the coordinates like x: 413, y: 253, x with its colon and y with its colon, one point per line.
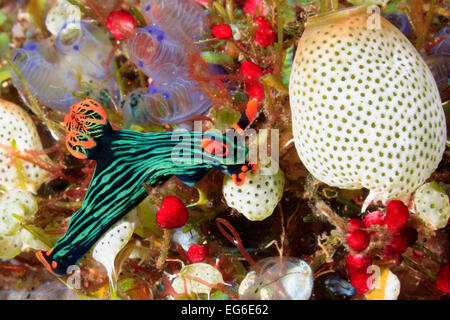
x: 14, y: 205
x: 366, y: 111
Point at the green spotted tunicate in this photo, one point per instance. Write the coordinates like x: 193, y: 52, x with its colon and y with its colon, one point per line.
x: 366, y: 111
x: 432, y: 205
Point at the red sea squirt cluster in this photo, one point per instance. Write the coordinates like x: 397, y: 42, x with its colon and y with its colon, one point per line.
x: 395, y: 220
x: 397, y: 215
x: 357, y: 262
x: 358, y: 240
x: 374, y: 218
x: 397, y: 246
x: 353, y: 225
x: 357, y: 266
x: 252, y: 73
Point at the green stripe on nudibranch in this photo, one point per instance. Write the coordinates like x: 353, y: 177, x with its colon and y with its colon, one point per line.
x: 128, y: 159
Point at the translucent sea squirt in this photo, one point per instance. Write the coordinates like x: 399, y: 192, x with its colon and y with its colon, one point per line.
x: 283, y: 278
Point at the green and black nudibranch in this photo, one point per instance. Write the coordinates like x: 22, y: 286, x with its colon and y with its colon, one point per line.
x: 128, y: 159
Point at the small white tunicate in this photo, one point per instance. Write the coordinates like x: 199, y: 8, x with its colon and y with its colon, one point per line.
x: 257, y: 198
x: 16, y: 205
x: 282, y: 279
x: 17, y: 127
x: 60, y: 14
x: 387, y: 286
x: 432, y: 205
x: 204, y: 271
x: 185, y: 239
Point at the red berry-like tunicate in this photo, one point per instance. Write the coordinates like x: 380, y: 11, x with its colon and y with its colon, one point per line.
x: 172, y: 214
x: 255, y: 90
x: 357, y: 263
x: 264, y: 35
x: 262, y: 22
x: 361, y: 281
x: 120, y: 23
x: 373, y: 218
x: 255, y: 6
x: 358, y: 240
x: 251, y: 71
x: 397, y: 215
x: 222, y: 31
x: 197, y: 253
x: 443, y: 278
x: 353, y: 225
x: 397, y: 246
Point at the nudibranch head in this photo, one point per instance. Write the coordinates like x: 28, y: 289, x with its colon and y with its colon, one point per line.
x: 229, y: 149
x: 84, y: 125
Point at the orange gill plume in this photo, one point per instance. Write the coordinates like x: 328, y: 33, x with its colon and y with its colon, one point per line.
x: 83, y: 126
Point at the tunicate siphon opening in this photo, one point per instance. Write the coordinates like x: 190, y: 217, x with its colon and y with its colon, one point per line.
x: 70, y: 37
x: 329, y: 17
x: 143, y: 47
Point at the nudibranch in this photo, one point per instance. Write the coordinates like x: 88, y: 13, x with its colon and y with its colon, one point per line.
x: 128, y: 159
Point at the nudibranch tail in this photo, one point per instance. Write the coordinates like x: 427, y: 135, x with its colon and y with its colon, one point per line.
x: 247, y: 117
x: 50, y: 264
